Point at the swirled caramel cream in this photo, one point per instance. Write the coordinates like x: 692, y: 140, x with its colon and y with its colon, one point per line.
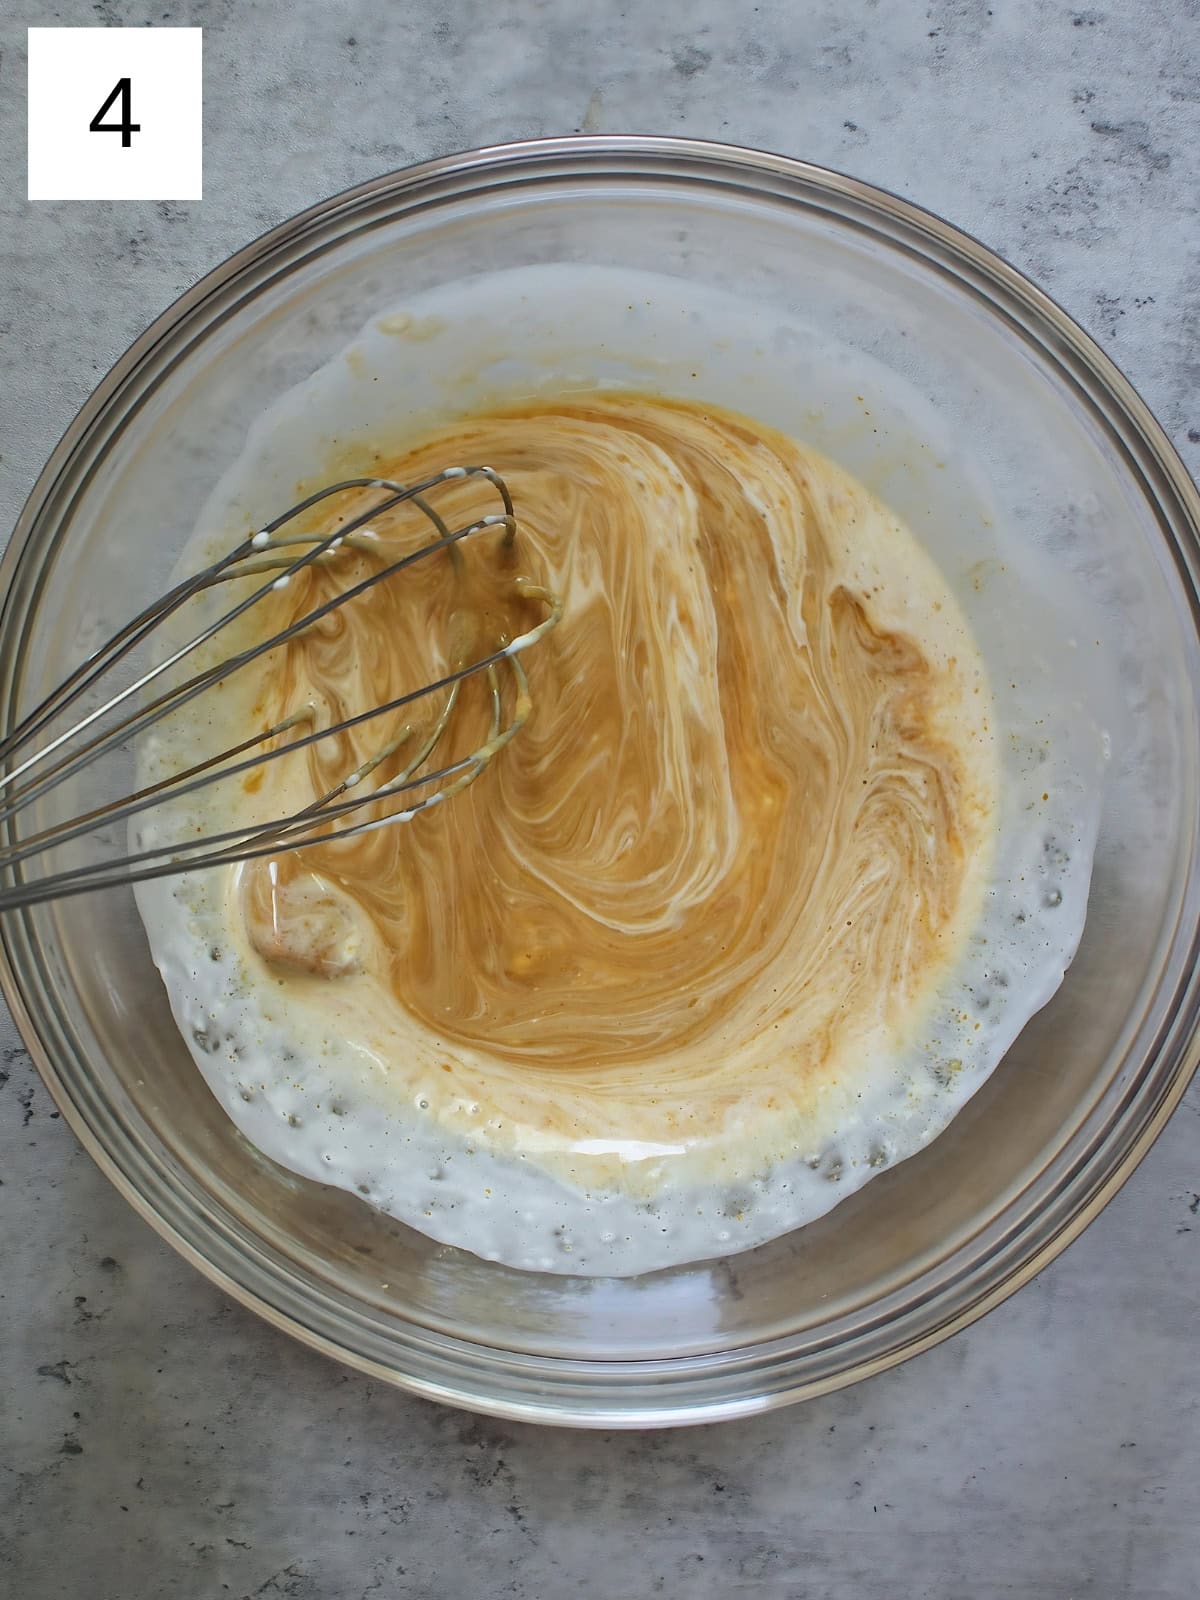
x: 695, y: 911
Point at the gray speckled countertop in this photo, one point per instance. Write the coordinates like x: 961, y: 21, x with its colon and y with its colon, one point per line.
x: 155, y: 1439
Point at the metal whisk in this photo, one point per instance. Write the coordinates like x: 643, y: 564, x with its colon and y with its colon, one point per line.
x: 37, y: 755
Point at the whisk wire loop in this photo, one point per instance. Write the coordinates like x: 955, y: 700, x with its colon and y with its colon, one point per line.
x: 266, y: 553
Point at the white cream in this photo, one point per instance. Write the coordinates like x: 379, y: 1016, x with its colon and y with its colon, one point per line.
x: 326, y: 1107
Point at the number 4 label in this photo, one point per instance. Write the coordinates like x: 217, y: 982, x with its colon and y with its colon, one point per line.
x: 115, y: 113
x: 126, y: 127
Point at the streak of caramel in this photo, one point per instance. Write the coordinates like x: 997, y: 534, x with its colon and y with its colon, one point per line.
x: 737, y: 807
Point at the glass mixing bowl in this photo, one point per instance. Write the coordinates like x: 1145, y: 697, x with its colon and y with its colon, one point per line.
x: 1063, y: 447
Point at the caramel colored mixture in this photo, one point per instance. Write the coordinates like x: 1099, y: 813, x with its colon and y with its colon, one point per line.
x: 737, y: 840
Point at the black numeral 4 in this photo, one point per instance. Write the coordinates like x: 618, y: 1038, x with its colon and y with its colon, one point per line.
x: 126, y: 127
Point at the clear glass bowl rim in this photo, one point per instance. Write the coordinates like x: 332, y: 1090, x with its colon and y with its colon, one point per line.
x: 1075, y: 1185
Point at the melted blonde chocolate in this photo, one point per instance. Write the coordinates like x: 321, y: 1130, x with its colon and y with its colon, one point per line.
x: 736, y: 837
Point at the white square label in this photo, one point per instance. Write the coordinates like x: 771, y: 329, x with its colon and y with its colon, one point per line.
x: 115, y: 113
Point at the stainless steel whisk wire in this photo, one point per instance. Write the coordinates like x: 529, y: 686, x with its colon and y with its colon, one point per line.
x: 264, y: 552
